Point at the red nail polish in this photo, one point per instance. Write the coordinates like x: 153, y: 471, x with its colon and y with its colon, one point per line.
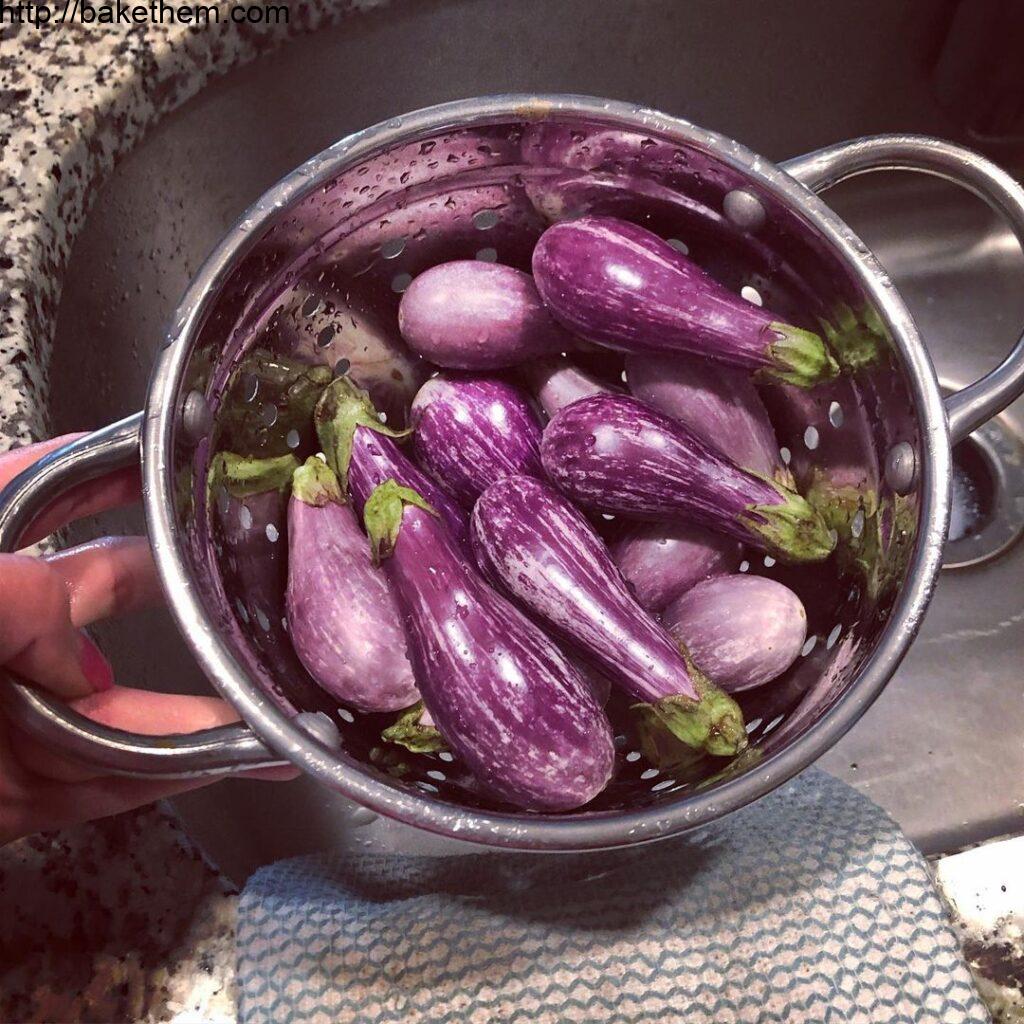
x: 95, y: 668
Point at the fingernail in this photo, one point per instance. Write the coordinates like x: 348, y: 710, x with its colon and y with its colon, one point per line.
x: 95, y: 668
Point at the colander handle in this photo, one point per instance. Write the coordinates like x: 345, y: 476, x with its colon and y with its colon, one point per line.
x: 224, y: 750
x: 969, y: 408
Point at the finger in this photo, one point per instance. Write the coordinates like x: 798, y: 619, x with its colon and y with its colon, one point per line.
x: 122, y: 487
x: 37, y: 638
x: 108, y: 577
x: 133, y: 710
x: 17, y: 460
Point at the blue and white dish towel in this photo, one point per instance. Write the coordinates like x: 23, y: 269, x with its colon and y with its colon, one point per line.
x: 809, y: 907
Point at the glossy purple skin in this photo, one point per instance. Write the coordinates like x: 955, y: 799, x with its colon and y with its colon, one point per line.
x: 508, y: 702
x: 716, y: 402
x: 548, y: 557
x: 742, y: 631
x: 376, y: 458
x: 660, y: 561
x: 470, y: 432
x: 556, y: 383
x: 613, y: 454
x: 471, y: 315
x: 620, y: 285
x: 344, y: 622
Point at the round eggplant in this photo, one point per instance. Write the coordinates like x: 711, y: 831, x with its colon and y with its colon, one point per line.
x: 743, y: 631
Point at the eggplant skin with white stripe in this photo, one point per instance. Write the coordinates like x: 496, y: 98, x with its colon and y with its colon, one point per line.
x: 548, y: 557
x: 471, y: 431
x: 615, y: 455
x: 620, y: 285
x: 743, y: 631
x: 470, y: 315
x: 342, y: 617
x: 506, y: 700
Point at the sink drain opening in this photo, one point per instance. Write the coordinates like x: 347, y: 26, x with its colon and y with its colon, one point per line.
x: 987, y: 509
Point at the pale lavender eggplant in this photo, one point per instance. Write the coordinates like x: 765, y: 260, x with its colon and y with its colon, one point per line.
x: 616, y: 455
x: 363, y: 454
x: 717, y: 403
x: 621, y: 285
x: 343, y: 621
x: 742, y: 631
x: 556, y: 382
x: 507, y: 701
x: 469, y: 432
x: 660, y: 561
x: 548, y: 557
x: 471, y: 315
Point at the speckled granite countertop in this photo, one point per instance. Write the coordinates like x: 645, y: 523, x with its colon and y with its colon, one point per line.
x: 119, y: 920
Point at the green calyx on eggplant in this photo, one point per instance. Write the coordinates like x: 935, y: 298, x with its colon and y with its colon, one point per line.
x: 341, y: 409
x: 243, y: 476
x: 383, y: 514
x: 414, y: 730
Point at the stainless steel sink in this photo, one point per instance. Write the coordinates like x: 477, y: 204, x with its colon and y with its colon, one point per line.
x: 942, y: 749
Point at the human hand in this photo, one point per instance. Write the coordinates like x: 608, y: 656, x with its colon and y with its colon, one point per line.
x: 44, y: 604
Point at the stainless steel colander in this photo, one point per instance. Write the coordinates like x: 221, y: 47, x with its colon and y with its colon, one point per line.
x: 315, y: 269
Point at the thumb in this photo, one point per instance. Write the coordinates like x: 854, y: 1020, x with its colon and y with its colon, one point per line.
x: 37, y: 638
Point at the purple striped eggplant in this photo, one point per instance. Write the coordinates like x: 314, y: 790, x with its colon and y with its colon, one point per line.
x: 362, y: 452
x: 556, y: 382
x: 743, y: 631
x: 717, y: 403
x: 415, y: 730
x: 471, y: 431
x: 620, y: 285
x: 508, y: 702
x: 660, y: 561
x: 249, y: 499
x: 249, y: 503
x: 470, y: 315
x: 548, y: 557
x: 613, y: 454
x: 342, y: 618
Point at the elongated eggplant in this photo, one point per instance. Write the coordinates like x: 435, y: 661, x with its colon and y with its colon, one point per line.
x: 556, y: 382
x: 342, y: 618
x: 548, y: 557
x: 470, y: 315
x: 248, y: 498
x: 362, y: 452
x: 743, y: 631
x: 248, y: 501
x: 507, y: 701
x: 415, y: 730
x: 718, y: 403
x: 618, y: 284
x: 660, y: 561
x: 470, y: 432
x: 613, y: 454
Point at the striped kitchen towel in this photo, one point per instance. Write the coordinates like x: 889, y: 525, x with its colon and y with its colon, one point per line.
x: 810, y: 906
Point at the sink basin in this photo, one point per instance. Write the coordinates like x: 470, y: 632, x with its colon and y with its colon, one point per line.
x: 941, y: 749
